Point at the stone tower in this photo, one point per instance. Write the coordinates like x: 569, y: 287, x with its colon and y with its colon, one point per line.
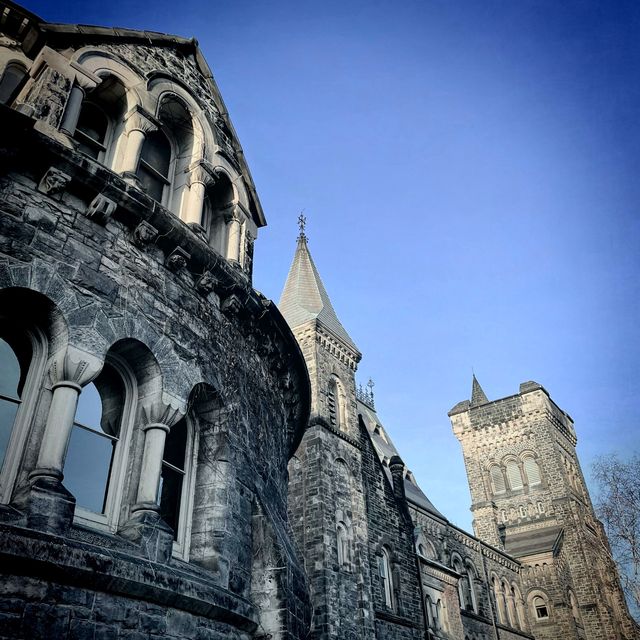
x: 326, y: 496
x: 529, y: 498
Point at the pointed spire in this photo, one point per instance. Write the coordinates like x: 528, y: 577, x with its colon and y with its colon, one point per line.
x: 304, y: 297
x: 478, y: 396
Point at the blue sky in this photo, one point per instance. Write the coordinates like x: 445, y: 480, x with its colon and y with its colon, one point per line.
x: 469, y: 174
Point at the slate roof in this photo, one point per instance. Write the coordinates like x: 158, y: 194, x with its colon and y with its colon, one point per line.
x: 304, y: 297
x: 386, y: 449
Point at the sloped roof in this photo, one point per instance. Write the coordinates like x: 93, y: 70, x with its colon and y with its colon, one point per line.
x: 304, y: 297
x: 529, y: 543
x: 386, y: 449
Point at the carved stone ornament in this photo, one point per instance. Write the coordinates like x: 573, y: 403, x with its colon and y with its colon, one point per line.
x: 177, y: 259
x: 100, y: 209
x: 53, y: 182
x: 139, y: 120
x: 143, y: 234
x: 199, y: 230
x: 206, y: 283
x: 231, y: 305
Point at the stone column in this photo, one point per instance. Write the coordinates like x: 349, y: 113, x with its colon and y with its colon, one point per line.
x: 145, y: 526
x: 51, y: 506
x: 154, y: 439
x: 72, y: 110
x: 137, y: 126
x: 197, y: 188
x: 233, y: 234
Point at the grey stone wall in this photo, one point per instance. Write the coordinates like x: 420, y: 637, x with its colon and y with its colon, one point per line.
x: 108, y: 284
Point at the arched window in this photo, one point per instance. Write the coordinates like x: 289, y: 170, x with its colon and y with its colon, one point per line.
x: 497, y: 479
x: 11, y: 79
x: 514, y: 475
x: 91, y: 130
x: 101, y: 120
x: 154, y: 165
x: 469, y: 586
x: 498, y: 596
x: 519, y: 608
x: 10, y: 377
x: 95, y: 459
x: 532, y: 470
x: 172, y: 482
x: 428, y: 605
x: 386, y: 578
x: 337, y: 401
x: 540, y: 607
x: 342, y: 541
x: 217, y: 205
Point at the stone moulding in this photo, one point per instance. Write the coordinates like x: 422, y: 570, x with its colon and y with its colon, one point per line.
x: 67, y: 561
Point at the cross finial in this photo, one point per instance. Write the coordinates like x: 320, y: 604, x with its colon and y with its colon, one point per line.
x: 302, y: 222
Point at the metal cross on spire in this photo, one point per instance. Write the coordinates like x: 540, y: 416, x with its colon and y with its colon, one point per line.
x: 302, y: 222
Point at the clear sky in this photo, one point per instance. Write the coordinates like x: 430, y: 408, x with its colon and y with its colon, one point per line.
x: 469, y: 170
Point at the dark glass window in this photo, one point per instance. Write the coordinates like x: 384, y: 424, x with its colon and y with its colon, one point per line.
x: 11, y: 79
x: 173, y: 471
x: 9, y: 398
x: 153, y: 169
x: 91, y: 130
x: 93, y: 440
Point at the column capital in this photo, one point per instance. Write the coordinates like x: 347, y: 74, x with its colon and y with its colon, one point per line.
x: 73, y: 367
x: 137, y: 119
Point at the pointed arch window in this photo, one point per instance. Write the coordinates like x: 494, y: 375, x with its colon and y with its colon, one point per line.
x: 532, y: 470
x: 497, y: 479
x: 514, y: 475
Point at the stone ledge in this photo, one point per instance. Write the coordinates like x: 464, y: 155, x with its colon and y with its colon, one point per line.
x: 68, y: 561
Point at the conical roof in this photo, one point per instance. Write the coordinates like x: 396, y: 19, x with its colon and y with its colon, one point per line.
x: 304, y: 297
x: 478, y: 396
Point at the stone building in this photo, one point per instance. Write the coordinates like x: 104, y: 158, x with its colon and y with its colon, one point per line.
x: 150, y: 398
x: 529, y: 498
x: 179, y: 458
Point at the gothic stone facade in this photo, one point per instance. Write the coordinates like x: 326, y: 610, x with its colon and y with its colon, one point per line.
x: 167, y: 515
x: 529, y: 498
x: 160, y: 476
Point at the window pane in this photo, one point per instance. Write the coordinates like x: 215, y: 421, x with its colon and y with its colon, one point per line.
x: 9, y: 371
x: 175, y: 447
x: 513, y: 473
x: 151, y: 184
x: 87, y: 468
x: 532, y: 470
x: 93, y: 123
x: 11, y: 78
x: 156, y: 152
x: 170, y: 497
x: 8, y: 411
x: 497, y: 479
x: 89, y: 411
